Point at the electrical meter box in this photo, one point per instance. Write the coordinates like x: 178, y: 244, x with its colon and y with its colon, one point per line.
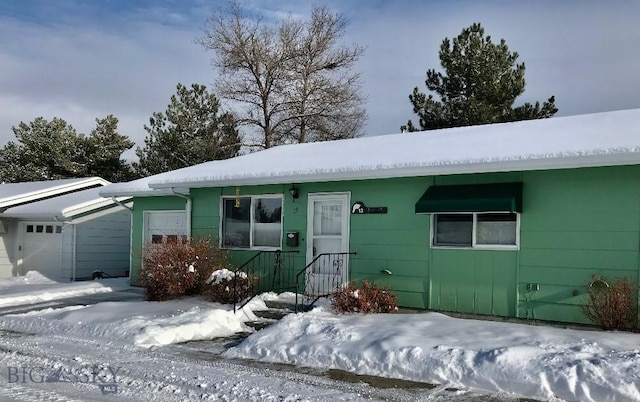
x: 293, y: 239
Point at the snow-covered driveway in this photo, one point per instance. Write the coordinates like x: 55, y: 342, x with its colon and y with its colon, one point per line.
x: 161, y: 351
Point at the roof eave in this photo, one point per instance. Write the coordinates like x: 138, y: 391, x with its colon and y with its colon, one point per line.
x: 145, y: 193
x: 89, y: 206
x: 525, y: 164
x: 52, y: 191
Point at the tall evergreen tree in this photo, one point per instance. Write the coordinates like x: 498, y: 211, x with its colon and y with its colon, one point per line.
x: 191, y: 131
x: 104, y: 148
x: 49, y: 150
x: 45, y: 150
x: 479, y: 84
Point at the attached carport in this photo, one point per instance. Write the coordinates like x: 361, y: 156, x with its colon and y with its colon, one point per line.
x: 70, y: 236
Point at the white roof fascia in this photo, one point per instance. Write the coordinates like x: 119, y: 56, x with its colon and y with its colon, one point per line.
x: 32, y: 217
x: 599, y: 139
x: 97, y: 214
x: 144, y: 193
x: 52, y: 191
x: 86, y: 207
x: 68, y: 212
x: 528, y: 164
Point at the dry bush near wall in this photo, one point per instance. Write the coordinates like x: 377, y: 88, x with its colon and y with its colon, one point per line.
x: 220, y: 286
x: 365, y: 298
x: 611, y: 305
x: 174, y: 269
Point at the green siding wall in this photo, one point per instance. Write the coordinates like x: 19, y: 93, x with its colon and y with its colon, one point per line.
x: 575, y: 223
x: 141, y: 204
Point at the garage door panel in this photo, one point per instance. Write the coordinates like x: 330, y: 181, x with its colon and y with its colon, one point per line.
x: 165, y: 226
x: 42, y: 248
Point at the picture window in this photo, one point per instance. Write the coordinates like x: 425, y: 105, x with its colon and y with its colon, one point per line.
x: 252, y: 222
x: 476, y: 230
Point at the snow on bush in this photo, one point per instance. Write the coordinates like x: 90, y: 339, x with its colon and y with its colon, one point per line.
x: 174, y: 269
x: 220, y: 286
x: 367, y: 298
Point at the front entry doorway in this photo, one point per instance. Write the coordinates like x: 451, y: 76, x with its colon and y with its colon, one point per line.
x: 327, y: 243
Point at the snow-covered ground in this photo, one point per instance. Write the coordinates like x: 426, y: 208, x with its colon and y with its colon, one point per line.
x: 128, y: 344
x: 34, y: 288
x: 534, y: 361
x: 112, y: 351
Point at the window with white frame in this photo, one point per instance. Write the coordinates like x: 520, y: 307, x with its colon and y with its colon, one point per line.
x: 476, y: 230
x: 252, y: 221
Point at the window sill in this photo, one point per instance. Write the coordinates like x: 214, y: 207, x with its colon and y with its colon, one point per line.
x: 483, y: 247
x: 251, y: 248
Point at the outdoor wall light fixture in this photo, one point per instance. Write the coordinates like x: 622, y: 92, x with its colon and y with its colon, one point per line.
x: 294, y: 192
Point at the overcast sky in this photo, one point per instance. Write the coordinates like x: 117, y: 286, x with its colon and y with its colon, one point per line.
x: 80, y: 60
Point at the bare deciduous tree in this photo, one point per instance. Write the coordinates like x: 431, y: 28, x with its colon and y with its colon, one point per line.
x: 293, y: 78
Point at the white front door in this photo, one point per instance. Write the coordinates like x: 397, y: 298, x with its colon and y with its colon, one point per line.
x: 327, y: 237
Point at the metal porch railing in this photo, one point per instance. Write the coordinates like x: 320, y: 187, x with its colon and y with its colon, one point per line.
x: 322, y: 277
x: 266, y: 271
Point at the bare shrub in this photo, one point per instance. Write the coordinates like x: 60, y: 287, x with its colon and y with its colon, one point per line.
x: 611, y: 305
x: 366, y: 298
x: 174, y: 269
x: 220, y: 286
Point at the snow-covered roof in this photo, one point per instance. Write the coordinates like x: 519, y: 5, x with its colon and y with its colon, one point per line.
x: 600, y: 139
x: 140, y: 187
x: 62, y: 207
x: 18, y: 193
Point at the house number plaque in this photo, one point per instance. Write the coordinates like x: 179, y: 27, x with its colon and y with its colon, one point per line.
x: 359, y: 208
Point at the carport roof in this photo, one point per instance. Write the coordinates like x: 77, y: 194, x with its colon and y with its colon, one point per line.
x: 12, y: 194
x: 62, y: 207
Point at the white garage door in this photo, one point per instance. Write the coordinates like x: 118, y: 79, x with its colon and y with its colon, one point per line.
x: 42, y: 248
x: 163, y: 226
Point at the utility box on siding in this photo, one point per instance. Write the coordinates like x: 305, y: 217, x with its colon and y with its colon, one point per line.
x: 293, y: 239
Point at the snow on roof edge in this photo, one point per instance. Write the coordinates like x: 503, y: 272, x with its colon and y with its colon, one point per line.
x: 51, y: 191
x: 149, y: 192
x: 626, y: 157
x: 88, y: 206
x: 72, y: 211
x: 588, y: 140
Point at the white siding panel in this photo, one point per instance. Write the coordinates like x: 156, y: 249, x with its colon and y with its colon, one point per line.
x: 8, y: 248
x: 67, y: 252
x: 103, y: 244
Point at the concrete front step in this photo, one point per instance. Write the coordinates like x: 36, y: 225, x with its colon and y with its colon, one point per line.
x: 288, y: 305
x: 269, y: 317
x: 276, y: 310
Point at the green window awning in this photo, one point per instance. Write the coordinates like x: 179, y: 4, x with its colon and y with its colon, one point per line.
x: 496, y: 197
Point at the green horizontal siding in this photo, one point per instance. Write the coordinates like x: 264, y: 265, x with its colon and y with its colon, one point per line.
x: 581, y: 240
x: 594, y: 259
x: 575, y: 223
x: 575, y: 277
x: 141, y: 204
x: 474, y: 281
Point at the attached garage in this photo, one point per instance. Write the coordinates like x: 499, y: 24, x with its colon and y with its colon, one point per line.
x: 66, y: 236
x: 41, y: 248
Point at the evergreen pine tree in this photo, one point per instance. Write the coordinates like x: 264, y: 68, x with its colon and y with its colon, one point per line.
x: 104, y: 147
x: 50, y: 150
x: 479, y: 85
x: 191, y: 131
x: 45, y: 150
